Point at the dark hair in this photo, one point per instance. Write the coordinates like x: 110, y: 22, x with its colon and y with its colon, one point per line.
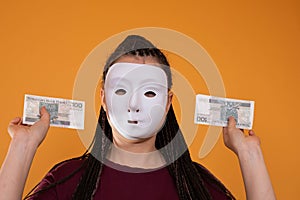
x: 188, y: 176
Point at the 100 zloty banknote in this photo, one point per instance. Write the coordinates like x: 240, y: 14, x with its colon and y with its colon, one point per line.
x: 215, y: 111
x: 63, y: 112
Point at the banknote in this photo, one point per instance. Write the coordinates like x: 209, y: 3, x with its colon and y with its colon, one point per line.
x: 215, y: 111
x: 63, y: 112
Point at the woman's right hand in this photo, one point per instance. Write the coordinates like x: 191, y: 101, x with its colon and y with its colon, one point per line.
x: 25, y: 140
x: 30, y: 134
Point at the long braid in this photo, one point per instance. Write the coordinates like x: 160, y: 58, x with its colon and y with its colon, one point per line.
x: 90, y: 180
x: 34, y: 192
x: 171, y: 143
x: 187, y: 175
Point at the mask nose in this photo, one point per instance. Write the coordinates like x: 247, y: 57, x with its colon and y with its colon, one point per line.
x: 134, y: 103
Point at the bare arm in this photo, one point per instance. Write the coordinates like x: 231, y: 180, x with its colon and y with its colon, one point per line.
x: 255, y: 175
x: 24, y: 143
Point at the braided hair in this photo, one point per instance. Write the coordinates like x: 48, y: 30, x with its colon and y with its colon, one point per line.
x: 187, y: 175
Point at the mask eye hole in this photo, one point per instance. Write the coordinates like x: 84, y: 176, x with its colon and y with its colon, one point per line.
x: 120, y: 92
x: 150, y: 94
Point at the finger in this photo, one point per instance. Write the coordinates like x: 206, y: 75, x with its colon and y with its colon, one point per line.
x: 21, y: 122
x: 15, y: 121
x: 13, y: 125
x: 251, y: 132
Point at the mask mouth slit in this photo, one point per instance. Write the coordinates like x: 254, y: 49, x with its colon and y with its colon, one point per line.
x: 132, y: 122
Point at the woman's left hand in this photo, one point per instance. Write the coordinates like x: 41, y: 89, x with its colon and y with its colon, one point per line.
x: 255, y: 174
x: 236, y: 140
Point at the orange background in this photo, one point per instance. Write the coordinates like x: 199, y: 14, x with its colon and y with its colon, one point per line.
x: 255, y: 45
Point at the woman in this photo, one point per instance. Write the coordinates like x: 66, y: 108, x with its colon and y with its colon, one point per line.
x: 138, y: 151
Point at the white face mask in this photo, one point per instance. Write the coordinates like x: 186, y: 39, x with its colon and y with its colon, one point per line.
x: 136, y: 96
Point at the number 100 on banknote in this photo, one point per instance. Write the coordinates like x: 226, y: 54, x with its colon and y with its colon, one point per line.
x: 63, y: 112
x: 215, y: 111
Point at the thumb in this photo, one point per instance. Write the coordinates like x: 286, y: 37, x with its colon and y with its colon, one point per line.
x: 44, y: 120
x: 45, y: 116
x: 231, y: 122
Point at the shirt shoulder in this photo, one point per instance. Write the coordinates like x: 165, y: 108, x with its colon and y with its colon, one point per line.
x: 61, y: 181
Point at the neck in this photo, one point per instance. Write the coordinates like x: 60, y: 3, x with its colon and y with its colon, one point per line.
x: 135, y: 153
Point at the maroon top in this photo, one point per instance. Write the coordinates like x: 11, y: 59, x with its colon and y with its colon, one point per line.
x: 116, y: 184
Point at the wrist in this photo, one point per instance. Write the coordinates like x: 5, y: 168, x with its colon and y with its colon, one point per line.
x: 23, y: 144
x: 249, y: 151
